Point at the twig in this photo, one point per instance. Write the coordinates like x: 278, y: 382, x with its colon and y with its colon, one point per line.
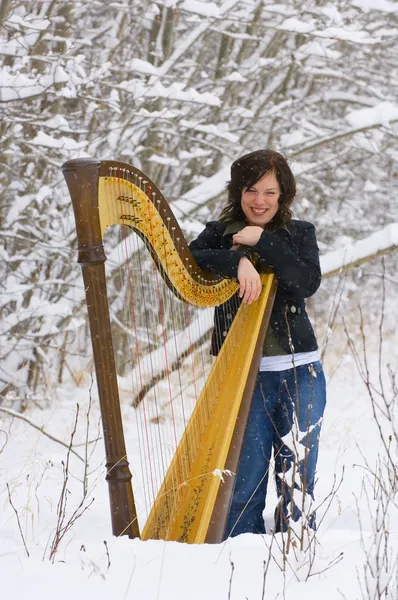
x: 230, y: 579
x: 14, y: 413
x: 266, y: 565
x: 332, y: 563
x: 86, y: 458
x: 285, y: 557
x: 6, y: 440
x: 107, y: 554
x: 64, y: 524
x: 331, y: 495
x: 333, y: 311
x: 130, y: 579
x: 379, y: 485
x: 19, y: 524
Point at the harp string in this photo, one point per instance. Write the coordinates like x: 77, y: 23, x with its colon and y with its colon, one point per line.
x: 143, y: 433
x: 150, y: 410
x: 179, y: 467
x: 171, y: 318
x: 158, y: 460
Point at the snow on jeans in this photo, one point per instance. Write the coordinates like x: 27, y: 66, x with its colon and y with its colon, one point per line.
x: 286, y: 415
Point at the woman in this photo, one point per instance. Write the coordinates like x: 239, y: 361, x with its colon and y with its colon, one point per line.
x: 290, y: 392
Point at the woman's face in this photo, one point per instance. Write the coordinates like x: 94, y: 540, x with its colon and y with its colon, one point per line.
x: 260, y: 201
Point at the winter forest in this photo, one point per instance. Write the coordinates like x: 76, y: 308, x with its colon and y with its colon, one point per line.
x: 180, y: 89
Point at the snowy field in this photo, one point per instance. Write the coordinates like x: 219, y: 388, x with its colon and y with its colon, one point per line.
x: 181, y: 89
x: 90, y: 563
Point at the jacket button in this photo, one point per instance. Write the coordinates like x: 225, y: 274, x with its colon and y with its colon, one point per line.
x: 293, y: 309
x: 224, y: 333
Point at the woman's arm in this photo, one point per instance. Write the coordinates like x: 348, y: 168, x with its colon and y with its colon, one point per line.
x: 209, y: 255
x: 299, y: 274
x: 208, y: 252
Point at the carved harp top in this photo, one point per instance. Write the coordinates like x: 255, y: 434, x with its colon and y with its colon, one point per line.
x: 108, y: 192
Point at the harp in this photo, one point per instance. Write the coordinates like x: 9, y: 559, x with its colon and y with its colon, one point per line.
x: 192, y: 502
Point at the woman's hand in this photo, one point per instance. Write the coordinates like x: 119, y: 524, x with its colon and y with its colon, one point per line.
x: 248, y: 236
x: 249, y: 279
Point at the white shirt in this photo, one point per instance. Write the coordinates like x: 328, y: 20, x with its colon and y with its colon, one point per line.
x: 288, y: 361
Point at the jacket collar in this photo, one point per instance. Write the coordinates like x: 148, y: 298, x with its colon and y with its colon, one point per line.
x: 234, y: 227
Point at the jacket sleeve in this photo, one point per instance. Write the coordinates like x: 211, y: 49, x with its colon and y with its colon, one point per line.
x: 299, y: 273
x: 208, y: 252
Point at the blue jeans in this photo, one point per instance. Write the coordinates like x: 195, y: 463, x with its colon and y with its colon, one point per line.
x: 285, y: 415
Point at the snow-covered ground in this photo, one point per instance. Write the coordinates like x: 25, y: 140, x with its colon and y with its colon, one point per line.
x: 90, y: 563
x: 319, y: 84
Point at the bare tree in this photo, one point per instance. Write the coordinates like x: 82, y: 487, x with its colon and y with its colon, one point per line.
x: 179, y: 92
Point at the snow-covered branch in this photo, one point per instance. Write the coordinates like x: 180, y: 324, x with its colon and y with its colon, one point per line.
x: 375, y: 245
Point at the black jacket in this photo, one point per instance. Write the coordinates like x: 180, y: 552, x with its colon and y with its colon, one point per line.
x: 294, y: 257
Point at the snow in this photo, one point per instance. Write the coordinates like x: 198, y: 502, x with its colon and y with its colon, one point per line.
x: 164, y: 160
x: 197, y: 153
x: 240, y: 111
x: 64, y: 143
x: 333, y: 13
x: 84, y: 567
x: 294, y: 24
x: 340, y: 33
x: 176, y: 91
x: 188, y: 40
x: 281, y: 9
x: 381, y: 5
x: 37, y: 308
x: 291, y: 139
x: 317, y: 48
x: 235, y: 76
x: 58, y: 122
x: 381, y: 114
x: 352, y: 35
x: 11, y: 47
x: 18, y: 207
x: 142, y: 66
x: 155, y: 570
x: 377, y: 243
x: 323, y: 86
x: 29, y: 23
x: 210, y: 188
x: 216, y: 131
x: 18, y: 86
x: 207, y: 9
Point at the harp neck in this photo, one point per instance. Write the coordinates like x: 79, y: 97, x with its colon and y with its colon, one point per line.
x: 106, y: 193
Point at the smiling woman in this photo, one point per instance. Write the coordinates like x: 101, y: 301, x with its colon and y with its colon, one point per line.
x: 290, y: 394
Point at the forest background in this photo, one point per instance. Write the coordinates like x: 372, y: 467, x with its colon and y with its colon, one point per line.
x: 180, y: 89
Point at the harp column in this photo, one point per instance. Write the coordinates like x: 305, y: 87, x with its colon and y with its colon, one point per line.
x: 82, y: 178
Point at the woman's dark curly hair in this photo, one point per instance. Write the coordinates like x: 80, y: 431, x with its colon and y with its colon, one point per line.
x: 247, y: 171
